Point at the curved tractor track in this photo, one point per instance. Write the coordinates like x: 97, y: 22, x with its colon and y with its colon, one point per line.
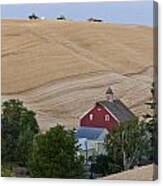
x: 60, y: 69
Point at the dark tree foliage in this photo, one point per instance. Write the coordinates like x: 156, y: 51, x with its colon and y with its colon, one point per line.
x: 152, y: 123
x: 101, y: 165
x: 54, y: 155
x: 128, y: 145
x: 18, y: 126
x: 28, y: 128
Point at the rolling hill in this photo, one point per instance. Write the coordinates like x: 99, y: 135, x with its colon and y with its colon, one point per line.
x: 143, y: 173
x: 61, y: 68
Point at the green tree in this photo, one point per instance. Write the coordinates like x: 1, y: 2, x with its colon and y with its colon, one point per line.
x: 152, y: 123
x: 28, y: 128
x: 128, y: 145
x: 55, y: 155
x: 18, y: 126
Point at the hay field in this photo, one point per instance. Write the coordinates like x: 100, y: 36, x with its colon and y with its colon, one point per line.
x: 144, y: 173
x: 61, y: 68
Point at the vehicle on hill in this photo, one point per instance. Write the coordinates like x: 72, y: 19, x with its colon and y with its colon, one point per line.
x: 61, y: 17
x: 33, y: 17
x: 94, y: 20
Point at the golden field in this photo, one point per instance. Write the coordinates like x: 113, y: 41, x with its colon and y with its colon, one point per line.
x: 61, y: 68
x: 143, y: 173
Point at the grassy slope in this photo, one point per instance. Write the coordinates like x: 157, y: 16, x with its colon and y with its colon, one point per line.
x: 61, y: 68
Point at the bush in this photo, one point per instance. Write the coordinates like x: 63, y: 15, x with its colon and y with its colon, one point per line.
x: 6, y: 172
x: 101, y: 164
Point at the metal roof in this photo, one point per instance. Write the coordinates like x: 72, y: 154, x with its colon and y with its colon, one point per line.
x: 90, y: 133
x: 118, y: 109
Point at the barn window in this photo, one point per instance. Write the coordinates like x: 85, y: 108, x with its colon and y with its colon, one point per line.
x: 107, y: 117
x: 91, y: 116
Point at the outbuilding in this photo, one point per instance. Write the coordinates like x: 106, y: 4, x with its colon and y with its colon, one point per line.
x: 91, y: 141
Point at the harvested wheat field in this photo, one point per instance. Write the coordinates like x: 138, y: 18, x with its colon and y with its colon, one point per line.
x: 61, y: 68
x: 144, y: 173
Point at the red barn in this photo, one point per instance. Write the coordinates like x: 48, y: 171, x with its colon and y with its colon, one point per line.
x: 107, y: 114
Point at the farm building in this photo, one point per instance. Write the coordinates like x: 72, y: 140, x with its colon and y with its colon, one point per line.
x: 107, y: 114
x: 91, y: 141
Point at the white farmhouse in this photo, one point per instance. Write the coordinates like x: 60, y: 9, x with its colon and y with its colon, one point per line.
x: 91, y: 141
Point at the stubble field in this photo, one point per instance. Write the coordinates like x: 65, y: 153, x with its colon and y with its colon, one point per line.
x: 61, y: 68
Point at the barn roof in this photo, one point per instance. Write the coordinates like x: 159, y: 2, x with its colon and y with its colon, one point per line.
x: 91, y: 133
x: 118, y: 109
